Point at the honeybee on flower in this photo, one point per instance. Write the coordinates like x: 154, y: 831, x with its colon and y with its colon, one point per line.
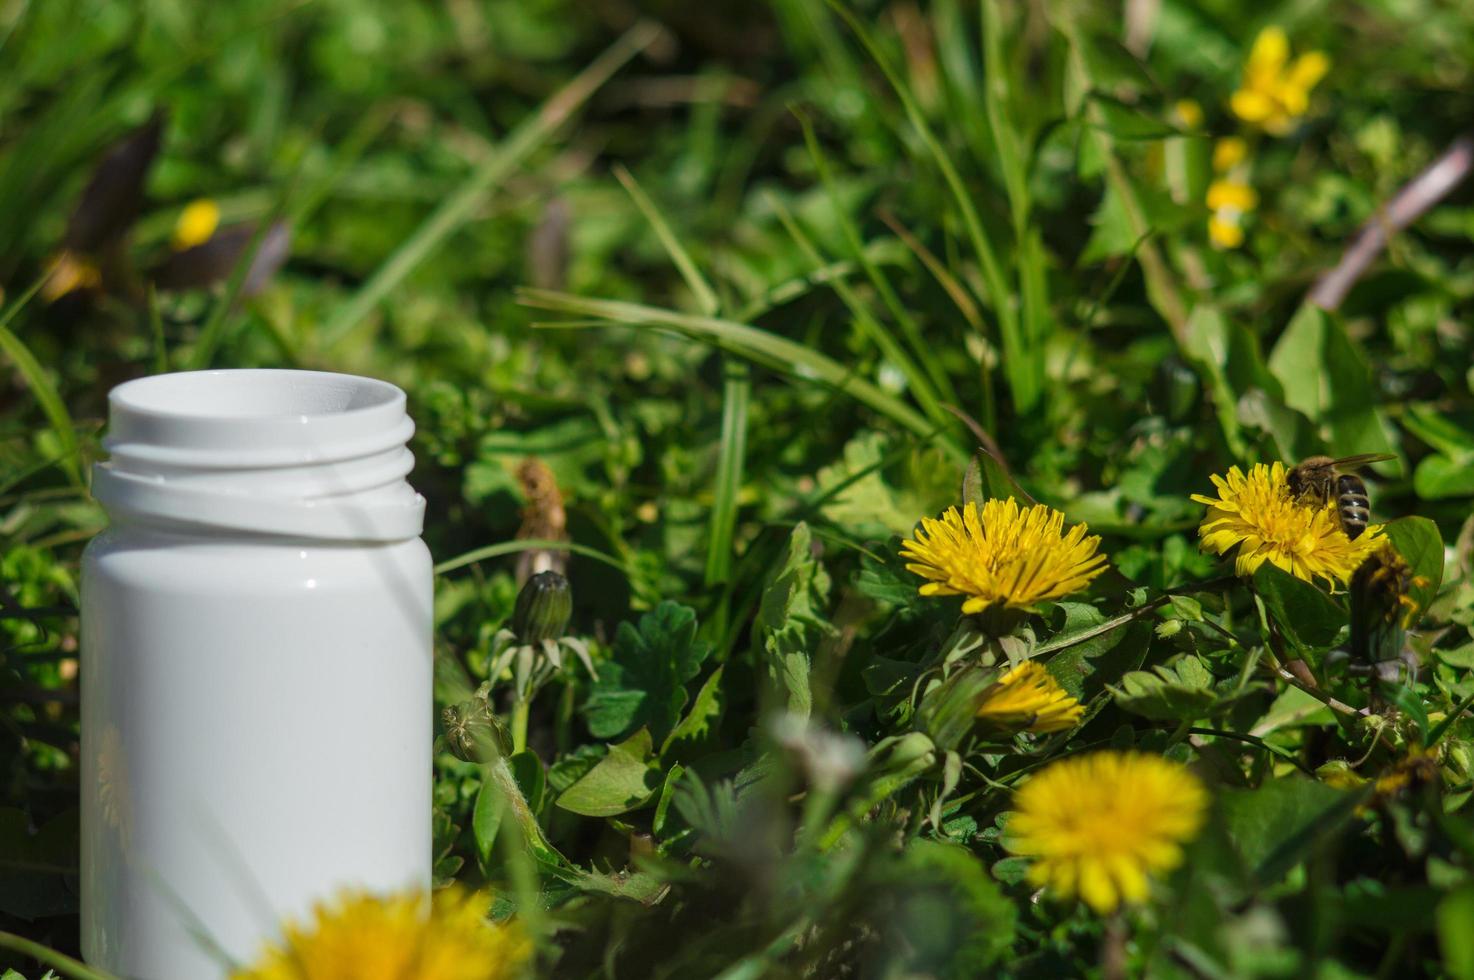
x: 1257, y: 514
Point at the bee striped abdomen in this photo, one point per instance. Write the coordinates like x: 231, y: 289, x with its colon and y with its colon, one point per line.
x: 1352, y: 504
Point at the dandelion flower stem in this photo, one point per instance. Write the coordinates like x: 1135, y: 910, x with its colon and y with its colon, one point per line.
x: 520, y: 711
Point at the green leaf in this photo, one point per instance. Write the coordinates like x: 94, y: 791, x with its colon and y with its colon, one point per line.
x: 1278, y: 824
x: 644, y: 681
x: 1180, y: 691
x: 887, y: 580
x: 624, y: 780
x: 1309, y: 619
x: 486, y: 820
x: 527, y: 770
x: 1127, y: 122
x: 1441, y: 477
x: 658, y: 823
x: 1326, y: 376
x: 790, y: 619
x: 1421, y: 545
x: 699, y: 725
x: 1456, y: 932
x: 986, y: 479
x: 954, y: 919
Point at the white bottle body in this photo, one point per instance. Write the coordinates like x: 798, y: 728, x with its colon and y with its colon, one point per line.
x: 256, y: 735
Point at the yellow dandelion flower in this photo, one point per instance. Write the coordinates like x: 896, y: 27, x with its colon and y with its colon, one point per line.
x: 196, y: 223
x: 1275, y: 92
x: 1101, y: 825
x: 401, y: 937
x: 1028, y: 698
x: 1258, y: 514
x: 1001, y: 555
x: 69, y: 272
x: 1228, y: 153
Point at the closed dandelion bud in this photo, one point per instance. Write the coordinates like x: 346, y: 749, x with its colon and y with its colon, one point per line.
x: 544, y: 607
x: 1381, y: 606
x: 473, y: 733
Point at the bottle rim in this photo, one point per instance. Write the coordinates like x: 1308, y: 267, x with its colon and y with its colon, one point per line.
x: 262, y: 450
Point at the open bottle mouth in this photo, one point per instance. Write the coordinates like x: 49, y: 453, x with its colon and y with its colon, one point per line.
x: 277, y: 451
x: 254, y: 417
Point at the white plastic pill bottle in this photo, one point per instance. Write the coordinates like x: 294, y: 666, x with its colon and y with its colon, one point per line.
x: 256, y: 665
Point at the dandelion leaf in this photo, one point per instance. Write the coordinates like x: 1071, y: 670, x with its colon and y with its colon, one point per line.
x: 790, y: 620
x: 625, y: 779
x: 644, y: 681
x: 1181, y: 691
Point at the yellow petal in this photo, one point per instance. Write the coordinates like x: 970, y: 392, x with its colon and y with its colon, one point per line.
x: 1097, y: 888
x: 1225, y: 234
x: 196, y: 223
x: 1228, y: 153
x: 1270, y: 52
x: 1308, y: 70
x: 1252, y: 106
x: 1189, y: 113
x: 1231, y: 195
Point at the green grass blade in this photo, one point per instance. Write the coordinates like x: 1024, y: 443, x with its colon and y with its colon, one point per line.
x: 1161, y: 288
x: 865, y: 319
x: 751, y: 342
x: 528, y: 544
x: 1013, y: 161
x: 732, y: 455
x: 64, y: 965
x: 706, y: 297
x: 938, y: 377
x: 41, y: 387
x: 458, y: 208
x: 1015, y: 351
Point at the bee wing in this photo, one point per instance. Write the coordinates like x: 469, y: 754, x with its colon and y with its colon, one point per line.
x: 1361, y: 459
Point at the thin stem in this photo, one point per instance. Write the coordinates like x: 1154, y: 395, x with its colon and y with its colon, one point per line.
x: 51, y: 958
x: 521, y: 708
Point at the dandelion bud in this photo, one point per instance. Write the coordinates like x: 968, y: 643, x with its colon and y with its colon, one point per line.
x: 1382, y: 606
x: 543, y: 608
x: 473, y: 733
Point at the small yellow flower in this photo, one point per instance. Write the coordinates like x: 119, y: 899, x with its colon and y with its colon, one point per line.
x: 196, y: 223
x: 1275, y: 92
x: 1257, y: 514
x: 401, y: 937
x: 1231, y: 195
x: 69, y: 272
x: 1225, y: 233
x: 1001, y: 555
x: 1228, y: 153
x: 1101, y: 825
x: 1028, y: 698
x: 1230, y: 201
x: 1189, y: 113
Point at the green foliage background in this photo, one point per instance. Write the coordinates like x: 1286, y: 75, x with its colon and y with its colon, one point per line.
x: 784, y: 241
